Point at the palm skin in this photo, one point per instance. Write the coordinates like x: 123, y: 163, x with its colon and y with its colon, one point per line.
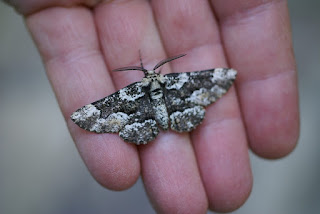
x: 82, y: 41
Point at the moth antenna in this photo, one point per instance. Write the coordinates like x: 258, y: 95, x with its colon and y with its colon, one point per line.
x: 162, y: 62
x: 134, y: 68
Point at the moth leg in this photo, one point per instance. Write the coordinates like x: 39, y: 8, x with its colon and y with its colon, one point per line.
x: 140, y: 132
x: 188, y: 119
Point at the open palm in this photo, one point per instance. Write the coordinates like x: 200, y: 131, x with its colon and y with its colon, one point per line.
x: 81, y: 41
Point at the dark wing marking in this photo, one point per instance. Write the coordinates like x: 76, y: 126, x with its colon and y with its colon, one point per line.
x: 111, y: 114
x: 187, y: 93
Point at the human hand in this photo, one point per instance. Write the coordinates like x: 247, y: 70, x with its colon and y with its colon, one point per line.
x: 182, y: 173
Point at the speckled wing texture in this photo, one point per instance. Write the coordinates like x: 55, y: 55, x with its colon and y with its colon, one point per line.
x: 174, y: 100
x: 127, y: 111
x: 186, y: 95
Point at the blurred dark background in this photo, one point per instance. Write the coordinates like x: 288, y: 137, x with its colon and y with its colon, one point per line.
x: 41, y: 171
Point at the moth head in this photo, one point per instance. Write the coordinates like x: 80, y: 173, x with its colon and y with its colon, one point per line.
x: 149, y: 72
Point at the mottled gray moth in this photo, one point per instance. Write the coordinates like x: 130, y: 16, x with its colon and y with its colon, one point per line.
x: 174, y: 100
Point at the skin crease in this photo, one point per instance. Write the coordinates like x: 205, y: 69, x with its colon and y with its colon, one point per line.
x: 82, y: 41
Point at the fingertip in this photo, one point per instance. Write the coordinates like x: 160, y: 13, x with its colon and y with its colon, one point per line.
x: 230, y: 194
x: 224, y: 164
x: 272, y: 115
x: 113, y: 163
x: 278, y: 145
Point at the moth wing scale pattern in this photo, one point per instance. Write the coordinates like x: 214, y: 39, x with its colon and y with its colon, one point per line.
x: 127, y: 111
x: 175, y: 100
x: 140, y: 132
x: 188, y: 93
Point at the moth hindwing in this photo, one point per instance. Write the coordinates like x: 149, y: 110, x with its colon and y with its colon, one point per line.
x: 175, y: 100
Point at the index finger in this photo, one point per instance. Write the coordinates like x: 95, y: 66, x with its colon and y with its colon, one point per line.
x: 68, y: 44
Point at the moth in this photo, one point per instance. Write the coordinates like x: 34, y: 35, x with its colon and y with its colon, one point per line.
x: 174, y: 100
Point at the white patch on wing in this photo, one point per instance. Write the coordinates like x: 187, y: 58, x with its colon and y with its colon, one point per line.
x: 131, y: 95
x: 140, y: 133
x: 205, y: 96
x: 180, y: 80
x: 217, y: 91
x: 187, y: 119
x: 137, y: 126
x: 116, y: 121
x: 177, y: 101
x: 201, y: 97
x: 231, y: 73
x: 223, y: 74
x: 113, y: 123
x: 85, y: 112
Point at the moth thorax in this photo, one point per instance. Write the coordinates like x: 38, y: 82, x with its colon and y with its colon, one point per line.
x: 155, y: 90
x: 151, y: 72
x: 158, y: 105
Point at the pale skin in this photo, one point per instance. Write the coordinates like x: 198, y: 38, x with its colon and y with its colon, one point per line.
x: 82, y: 41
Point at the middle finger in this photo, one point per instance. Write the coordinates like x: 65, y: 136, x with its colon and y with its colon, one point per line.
x: 220, y: 142
x: 169, y: 168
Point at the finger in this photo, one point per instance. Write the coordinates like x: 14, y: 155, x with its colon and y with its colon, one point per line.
x: 29, y: 7
x: 168, y: 164
x: 220, y: 143
x: 68, y: 44
x: 258, y: 43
